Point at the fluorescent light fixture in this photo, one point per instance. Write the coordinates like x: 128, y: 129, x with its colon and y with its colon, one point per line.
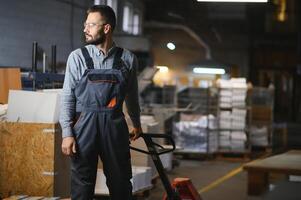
x: 236, y: 1
x: 203, y: 70
x: 162, y: 69
x: 171, y: 46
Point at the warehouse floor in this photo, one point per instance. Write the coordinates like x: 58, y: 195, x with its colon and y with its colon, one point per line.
x: 204, y: 173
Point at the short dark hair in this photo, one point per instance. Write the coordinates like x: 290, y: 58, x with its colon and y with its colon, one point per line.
x: 107, y: 12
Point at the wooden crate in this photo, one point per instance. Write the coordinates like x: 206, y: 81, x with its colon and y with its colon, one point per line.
x: 31, y: 160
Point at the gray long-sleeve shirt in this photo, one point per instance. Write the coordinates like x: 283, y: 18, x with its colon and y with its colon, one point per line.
x: 76, y: 67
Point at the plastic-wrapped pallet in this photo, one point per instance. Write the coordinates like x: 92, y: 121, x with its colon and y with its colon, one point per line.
x: 192, y: 135
x: 259, y: 136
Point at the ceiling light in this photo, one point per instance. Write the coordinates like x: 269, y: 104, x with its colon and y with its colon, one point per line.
x: 162, y: 69
x: 203, y: 70
x: 236, y: 1
x: 171, y: 46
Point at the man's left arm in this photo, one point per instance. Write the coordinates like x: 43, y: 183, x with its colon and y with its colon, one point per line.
x: 132, y: 100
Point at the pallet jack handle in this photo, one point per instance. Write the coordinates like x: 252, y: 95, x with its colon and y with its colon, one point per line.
x: 154, y: 150
x: 151, y: 144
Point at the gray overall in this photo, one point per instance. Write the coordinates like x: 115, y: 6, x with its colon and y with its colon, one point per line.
x: 101, y: 130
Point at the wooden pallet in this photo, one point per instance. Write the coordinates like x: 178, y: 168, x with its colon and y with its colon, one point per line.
x: 261, y: 151
x: 191, y: 155
x: 233, y: 156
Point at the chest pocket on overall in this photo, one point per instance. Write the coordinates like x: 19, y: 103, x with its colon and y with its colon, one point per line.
x: 102, y: 88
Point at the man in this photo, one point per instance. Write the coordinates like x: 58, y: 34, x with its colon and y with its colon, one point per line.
x: 99, y: 77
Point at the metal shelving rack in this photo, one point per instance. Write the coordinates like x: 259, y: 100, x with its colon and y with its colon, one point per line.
x: 193, y: 101
x: 262, y: 103
x: 230, y: 109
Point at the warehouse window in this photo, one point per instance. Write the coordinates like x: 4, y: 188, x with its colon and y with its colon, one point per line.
x: 111, y: 3
x: 137, y: 23
x: 99, y: 2
x: 127, y: 24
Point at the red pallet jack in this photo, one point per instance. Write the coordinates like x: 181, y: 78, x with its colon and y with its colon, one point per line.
x: 181, y: 188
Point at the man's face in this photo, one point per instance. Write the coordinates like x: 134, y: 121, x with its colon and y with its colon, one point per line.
x: 94, y: 29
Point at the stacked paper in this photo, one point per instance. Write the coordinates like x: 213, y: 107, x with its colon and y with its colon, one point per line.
x: 28, y: 106
x: 225, y: 119
x: 239, y: 90
x: 238, y: 140
x: 224, y: 84
x: 225, y: 99
x: 225, y: 96
x: 224, y: 139
x: 259, y: 136
x: 232, y: 117
x: 238, y: 119
x: 233, y: 92
x: 226, y: 93
x: 239, y: 83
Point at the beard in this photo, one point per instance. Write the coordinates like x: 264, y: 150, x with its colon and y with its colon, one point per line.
x: 95, y: 41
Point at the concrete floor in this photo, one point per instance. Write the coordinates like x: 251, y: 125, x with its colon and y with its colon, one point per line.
x: 203, y: 173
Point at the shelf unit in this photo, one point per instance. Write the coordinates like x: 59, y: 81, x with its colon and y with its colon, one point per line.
x: 261, y: 130
x: 195, y: 118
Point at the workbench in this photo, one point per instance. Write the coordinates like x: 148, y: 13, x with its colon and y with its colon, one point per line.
x: 288, y: 163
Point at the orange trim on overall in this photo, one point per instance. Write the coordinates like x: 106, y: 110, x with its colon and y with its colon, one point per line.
x: 112, y: 103
x: 102, y: 81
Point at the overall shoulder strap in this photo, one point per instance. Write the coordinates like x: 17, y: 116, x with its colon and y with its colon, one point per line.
x: 88, y: 59
x: 117, y: 58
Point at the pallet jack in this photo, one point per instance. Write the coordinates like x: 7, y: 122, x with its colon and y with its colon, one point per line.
x: 181, y: 188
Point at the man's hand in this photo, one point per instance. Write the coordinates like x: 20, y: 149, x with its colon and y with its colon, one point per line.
x: 69, y: 146
x: 135, y: 133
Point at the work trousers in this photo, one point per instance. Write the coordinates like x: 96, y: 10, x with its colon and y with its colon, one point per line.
x: 101, y: 134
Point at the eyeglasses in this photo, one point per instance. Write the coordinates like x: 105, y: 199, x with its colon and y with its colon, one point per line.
x: 91, y: 25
